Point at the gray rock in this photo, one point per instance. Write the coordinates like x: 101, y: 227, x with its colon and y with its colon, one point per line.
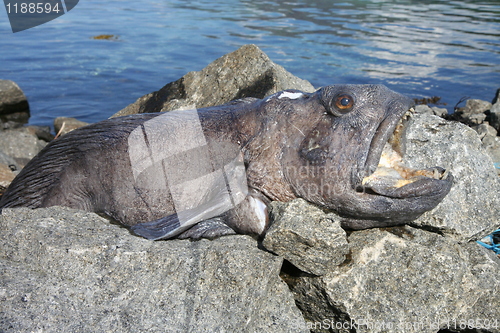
x: 497, y: 97
x: 246, y: 72
x: 492, y: 146
x: 304, y: 235
x: 441, y: 112
x: 63, y: 125
x: 70, y: 271
x: 41, y: 132
x: 485, y: 130
x: 477, y: 118
x: 9, y: 168
x: 471, y: 209
x: 7, y: 160
x: 491, y: 143
x: 403, y: 280
x: 20, y: 144
x: 474, y: 111
x: 6, y: 176
x: 13, y: 103
x: 425, y: 109
x: 494, y: 116
x: 473, y: 106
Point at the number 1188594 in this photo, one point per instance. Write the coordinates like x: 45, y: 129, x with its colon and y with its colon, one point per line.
x: 32, y: 8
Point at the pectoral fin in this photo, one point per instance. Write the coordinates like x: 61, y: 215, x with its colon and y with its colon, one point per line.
x: 164, y: 227
x: 208, y: 229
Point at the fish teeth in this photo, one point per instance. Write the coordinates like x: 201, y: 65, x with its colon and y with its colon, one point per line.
x: 396, y: 135
x: 436, y: 174
x: 408, y: 114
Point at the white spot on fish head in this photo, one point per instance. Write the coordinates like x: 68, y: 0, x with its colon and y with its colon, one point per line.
x: 290, y: 95
x: 284, y: 94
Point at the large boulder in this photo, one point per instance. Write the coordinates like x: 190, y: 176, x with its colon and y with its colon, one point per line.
x: 70, y: 271
x: 14, y: 106
x: 307, y: 237
x: 246, y: 72
x: 404, y: 280
x: 471, y: 209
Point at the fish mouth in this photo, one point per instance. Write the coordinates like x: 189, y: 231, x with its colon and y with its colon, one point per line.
x: 384, y: 171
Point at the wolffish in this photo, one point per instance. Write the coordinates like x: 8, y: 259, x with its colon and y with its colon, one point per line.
x: 213, y: 171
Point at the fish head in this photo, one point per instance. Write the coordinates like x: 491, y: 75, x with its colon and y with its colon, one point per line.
x: 349, y: 157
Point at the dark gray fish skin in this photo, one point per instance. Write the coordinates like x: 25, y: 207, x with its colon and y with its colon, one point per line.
x: 318, y: 146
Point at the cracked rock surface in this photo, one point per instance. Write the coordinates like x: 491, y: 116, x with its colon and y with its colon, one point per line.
x: 471, y: 210
x: 402, y: 280
x: 63, y: 270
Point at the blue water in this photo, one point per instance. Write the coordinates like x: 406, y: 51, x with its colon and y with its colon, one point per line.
x: 420, y: 48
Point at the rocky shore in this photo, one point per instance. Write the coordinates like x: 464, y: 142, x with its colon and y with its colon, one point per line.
x: 64, y: 270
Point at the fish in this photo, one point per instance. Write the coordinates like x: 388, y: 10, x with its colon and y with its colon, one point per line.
x: 209, y: 172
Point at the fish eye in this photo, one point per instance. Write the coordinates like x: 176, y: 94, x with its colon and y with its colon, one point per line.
x: 344, y: 103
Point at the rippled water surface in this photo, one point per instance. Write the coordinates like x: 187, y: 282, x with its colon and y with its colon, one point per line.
x: 449, y: 49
